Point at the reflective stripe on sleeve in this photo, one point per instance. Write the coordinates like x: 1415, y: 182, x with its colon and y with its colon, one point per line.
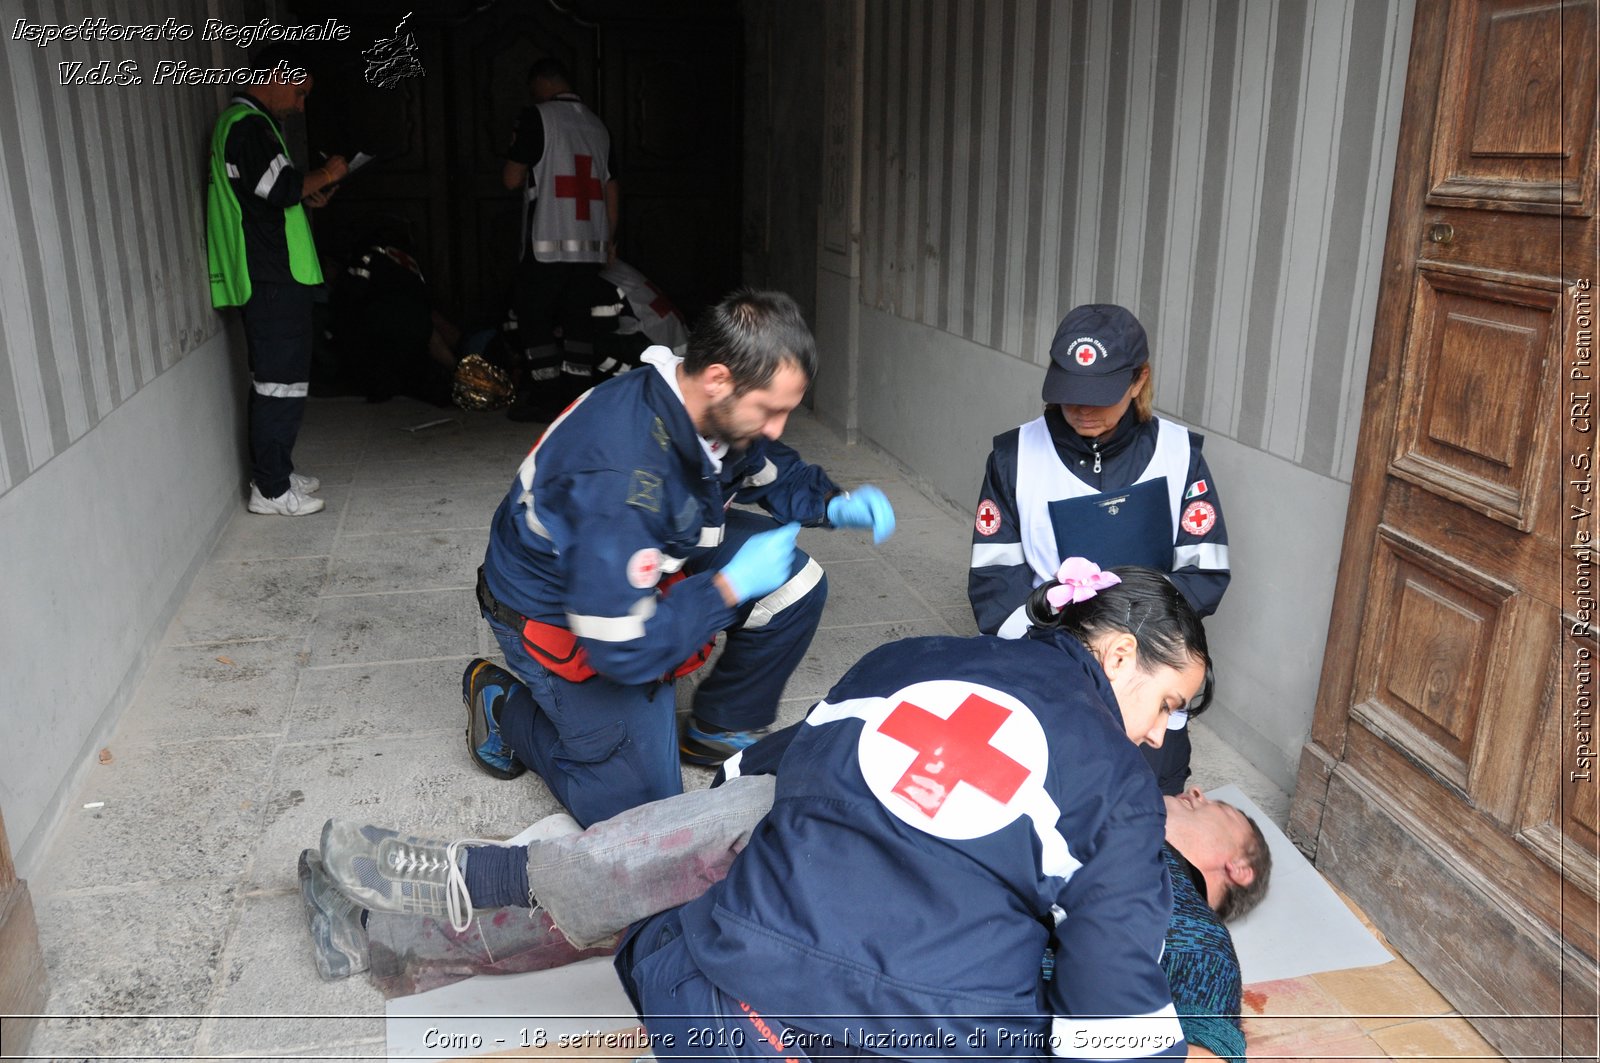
x: 986, y: 554
x: 1122, y: 1037
x: 711, y: 536
x: 270, y: 178
x: 1016, y: 625
x: 762, y: 476
x: 280, y: 391
x: 1210, y: 556
x: 526, y: 470
x: 798, y: 586
x: 531, y: 517
x: 614, y: 628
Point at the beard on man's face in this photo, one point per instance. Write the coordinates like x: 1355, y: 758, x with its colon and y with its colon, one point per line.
x: 719, y: 425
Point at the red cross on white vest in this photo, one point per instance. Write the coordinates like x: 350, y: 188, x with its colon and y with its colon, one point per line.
x: 661, y: 304
x: 581, y: 186
x: 952, y: 751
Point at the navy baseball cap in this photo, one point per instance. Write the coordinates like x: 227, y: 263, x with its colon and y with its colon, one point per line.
x: 1097, y: 349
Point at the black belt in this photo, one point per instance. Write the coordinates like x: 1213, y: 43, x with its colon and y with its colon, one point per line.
x: 499, y: 610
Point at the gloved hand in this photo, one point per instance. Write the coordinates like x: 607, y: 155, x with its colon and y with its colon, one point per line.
x: 762, y: 564
x: 865, y: 507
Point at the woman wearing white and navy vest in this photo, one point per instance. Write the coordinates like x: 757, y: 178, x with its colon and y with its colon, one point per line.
x: 1098, y: 475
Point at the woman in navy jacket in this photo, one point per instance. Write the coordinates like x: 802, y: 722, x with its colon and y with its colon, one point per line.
x: 956, y: 808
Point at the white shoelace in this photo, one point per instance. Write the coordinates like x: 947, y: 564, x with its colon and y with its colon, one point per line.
x: 457, y: 899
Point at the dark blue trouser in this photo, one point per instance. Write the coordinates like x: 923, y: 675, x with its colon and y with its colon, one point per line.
x: 552, y: 296
x: 277, y: 332
x: 688, y: 1017
x: 603, y: 747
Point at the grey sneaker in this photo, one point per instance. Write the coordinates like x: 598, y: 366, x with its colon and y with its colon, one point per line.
x: 337, y: 933
x: 304, y: 485
x: 386, y: 871
x: 289, y: 504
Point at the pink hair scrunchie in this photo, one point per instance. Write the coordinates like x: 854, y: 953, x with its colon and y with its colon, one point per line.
x: 1078, y: 579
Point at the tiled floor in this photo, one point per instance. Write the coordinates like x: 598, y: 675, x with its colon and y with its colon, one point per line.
x: 1384, y: 1012
x: 314, y: 669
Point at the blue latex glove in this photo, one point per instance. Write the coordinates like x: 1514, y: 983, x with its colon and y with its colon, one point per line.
x: 762, y: 564
x: 865, y: 507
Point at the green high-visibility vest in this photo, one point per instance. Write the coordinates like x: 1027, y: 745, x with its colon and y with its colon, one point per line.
x: 230, y: 272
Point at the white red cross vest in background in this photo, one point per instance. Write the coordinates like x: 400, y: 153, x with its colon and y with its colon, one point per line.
x: 566, y: 188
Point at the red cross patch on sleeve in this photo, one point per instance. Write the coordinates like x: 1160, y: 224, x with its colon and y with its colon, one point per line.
x: 644, y: 568
x: 988, y: 521
x: 1199, y: 518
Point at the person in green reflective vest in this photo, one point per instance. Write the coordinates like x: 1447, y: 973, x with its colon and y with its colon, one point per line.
x: 262, y: 260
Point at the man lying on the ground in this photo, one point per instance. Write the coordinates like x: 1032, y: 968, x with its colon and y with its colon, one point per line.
x: 592, y: 884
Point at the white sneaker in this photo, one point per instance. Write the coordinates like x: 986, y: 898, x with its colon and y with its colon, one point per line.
x: 304, y: 485
x: 289, y: 504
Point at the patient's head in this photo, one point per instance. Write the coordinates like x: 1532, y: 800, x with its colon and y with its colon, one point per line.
x: 1224, y: 845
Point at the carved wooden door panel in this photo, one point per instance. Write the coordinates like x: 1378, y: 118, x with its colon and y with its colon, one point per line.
x: 1441, y: 786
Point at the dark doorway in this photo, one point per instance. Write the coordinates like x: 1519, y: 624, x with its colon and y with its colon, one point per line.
x: 664, y: 75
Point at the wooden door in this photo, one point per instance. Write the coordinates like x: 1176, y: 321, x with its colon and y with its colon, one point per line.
x: 490, y: 52
x: 673, y: 103
x: 1445, y: 784
x: 24, y: 982
x: 664, y: 75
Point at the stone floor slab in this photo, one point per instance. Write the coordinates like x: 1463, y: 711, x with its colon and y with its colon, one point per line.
x: 198, y: 692
x: 368, y: 701
x: 239, y: 600
x: 405, y: 561
x: 149, y: 952
x: 424, y: 507
x: 395, y: 627
x: 868, y: 591
x: 270, y: 999
x: 174, y: 814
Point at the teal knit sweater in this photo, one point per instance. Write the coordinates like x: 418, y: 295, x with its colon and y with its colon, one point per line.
x: 1202, y: 967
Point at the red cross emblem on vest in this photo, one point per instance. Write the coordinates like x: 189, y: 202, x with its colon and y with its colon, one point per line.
x: 661, y: 305
x: 581, y: 186
x: 953, y: 751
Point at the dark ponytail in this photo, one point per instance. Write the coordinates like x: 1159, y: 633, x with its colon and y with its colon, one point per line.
x: 1147, y: 606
